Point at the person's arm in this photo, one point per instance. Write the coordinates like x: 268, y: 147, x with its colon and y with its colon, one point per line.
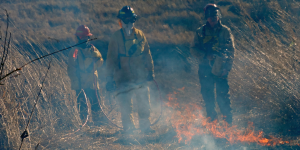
x: 196, y: 46
x: 112, y: 62
x: 72, y: 68
x: 230, y: 48
x: 97, y: 57
x: 148, y: 57
x: 88, y: 56
x: 112, y: 58
x: 228, y: 52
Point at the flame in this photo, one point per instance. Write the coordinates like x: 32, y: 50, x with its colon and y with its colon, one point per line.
x: 188, y: 121
x: 182, y: 89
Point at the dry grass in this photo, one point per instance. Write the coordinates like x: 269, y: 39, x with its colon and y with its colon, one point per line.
x: 264, y: 82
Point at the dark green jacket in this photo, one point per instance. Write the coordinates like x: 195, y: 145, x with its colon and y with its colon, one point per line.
x: 217, y: 42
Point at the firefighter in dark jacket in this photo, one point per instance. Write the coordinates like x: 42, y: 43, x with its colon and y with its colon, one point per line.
x: 213, y: 46
x: 129, y: 67
x: 84, y: 61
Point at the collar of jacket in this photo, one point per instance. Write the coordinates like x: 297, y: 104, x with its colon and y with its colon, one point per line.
x: 84, y: 45
x: 131, y: 35
x: 217, y: 28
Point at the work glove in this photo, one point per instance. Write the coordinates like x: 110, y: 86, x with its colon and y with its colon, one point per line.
x: 94, y: 52
x: 224, y: 73
x: 150, y: 76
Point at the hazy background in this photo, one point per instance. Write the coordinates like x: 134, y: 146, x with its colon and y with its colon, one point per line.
x: 264, y: 81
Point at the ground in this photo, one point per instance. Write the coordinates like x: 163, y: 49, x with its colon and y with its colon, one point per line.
x: 264, y: 81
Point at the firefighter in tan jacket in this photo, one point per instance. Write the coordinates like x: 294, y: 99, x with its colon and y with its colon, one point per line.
x: 129, y: 67
x: 84, y: 60
x: 213, y: 46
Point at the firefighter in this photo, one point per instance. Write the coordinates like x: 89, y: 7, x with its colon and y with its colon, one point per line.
x: 213, y: 47
x: 83, y: 62
x: 129, y: 67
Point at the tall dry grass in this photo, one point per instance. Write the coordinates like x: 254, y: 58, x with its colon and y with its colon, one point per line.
x: 264, y: 82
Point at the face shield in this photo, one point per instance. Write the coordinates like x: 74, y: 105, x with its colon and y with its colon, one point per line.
x: 212, y: 12
x: 212, y: 15
x: 128, y: 26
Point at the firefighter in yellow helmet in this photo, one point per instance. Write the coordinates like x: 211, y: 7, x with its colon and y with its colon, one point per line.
x: 83, y: 62
x: 129, y: 67
x: 213, y: 46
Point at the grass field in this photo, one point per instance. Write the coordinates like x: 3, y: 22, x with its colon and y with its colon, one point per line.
x: 264, y: 81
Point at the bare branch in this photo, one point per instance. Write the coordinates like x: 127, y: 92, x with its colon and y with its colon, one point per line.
x: 1, y: 78
x: 5, y: 49
x: 25, y: 133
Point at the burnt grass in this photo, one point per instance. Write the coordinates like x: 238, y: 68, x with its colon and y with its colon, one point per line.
x: 264, y: 81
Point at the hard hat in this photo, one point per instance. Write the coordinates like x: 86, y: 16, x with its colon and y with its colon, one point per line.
x: 212, y: 10
x: 83, y: 31
x: 126, y: 14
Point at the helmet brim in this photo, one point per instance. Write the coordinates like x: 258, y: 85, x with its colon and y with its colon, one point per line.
x: 90, y: 34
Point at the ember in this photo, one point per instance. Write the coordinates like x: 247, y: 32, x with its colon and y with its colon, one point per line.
x: 188, y: 121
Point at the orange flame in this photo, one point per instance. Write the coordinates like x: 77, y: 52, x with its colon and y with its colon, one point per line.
x: 191, y: 122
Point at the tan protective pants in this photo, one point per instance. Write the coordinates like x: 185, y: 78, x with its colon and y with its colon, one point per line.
x: 124, y: 101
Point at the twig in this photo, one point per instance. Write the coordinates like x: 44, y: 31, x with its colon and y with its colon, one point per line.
x: 0, y: 34
x: 15, y: 76
x: 6, y: 54
x: 55, y: 52
x: 25, y: 133
x: 37, y: 146
x: 1, y: 78
x: 73, y: 132
x: 87, y: 117
x: 53, y: 39
x: 5, y: 48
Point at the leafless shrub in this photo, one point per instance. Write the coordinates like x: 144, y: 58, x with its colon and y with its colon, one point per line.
x: 264, y: 81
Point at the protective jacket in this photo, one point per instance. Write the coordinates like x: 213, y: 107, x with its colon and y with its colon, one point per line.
x: 214, y: 46
x: 129, y: 58
x: 83, y: 64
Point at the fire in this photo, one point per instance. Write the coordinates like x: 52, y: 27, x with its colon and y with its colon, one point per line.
x: 188, y: 121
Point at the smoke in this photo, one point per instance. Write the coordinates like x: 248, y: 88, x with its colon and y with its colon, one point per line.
x: 263, y: 83
x: 209, y: 142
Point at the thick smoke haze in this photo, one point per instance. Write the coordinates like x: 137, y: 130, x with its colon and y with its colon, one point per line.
x: 264, y: 80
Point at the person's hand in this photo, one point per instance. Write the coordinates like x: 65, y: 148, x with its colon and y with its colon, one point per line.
x: 224, y: 73
x: 111, y: 86
x: 95, y: 53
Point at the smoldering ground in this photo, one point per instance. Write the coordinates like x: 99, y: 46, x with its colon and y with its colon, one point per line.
x: 263, y: 83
